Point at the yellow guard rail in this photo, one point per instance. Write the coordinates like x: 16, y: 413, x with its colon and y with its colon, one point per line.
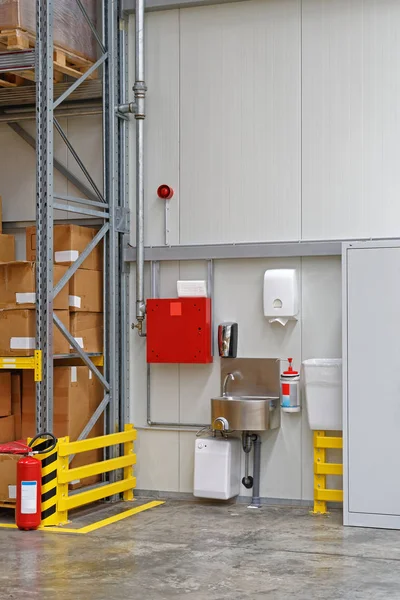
x: 56, y: 474
x: 322, y: 495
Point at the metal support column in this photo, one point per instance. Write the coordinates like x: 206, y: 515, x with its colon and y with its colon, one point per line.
x: 44, y: 211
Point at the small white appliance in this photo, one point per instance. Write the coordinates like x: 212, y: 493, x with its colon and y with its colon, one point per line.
x: 217, y: 468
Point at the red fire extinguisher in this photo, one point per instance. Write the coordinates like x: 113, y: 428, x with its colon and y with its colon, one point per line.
x: 29, y: 484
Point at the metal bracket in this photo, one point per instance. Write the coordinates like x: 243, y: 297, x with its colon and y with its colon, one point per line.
x: 126, y: 108
x: 122, y: 219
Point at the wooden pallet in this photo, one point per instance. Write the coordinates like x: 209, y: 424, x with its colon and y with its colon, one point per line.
x: 7, y: 505
x: 66, y: 62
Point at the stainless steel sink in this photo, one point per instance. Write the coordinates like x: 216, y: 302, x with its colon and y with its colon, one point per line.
x: 245, y: 413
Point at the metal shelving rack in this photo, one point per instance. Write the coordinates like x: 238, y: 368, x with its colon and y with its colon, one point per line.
x: 109, y: 207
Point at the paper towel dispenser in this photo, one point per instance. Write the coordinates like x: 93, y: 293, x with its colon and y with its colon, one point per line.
x: 281, y: 295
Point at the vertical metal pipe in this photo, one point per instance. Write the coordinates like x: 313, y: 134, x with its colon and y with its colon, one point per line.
x: 140, y: 94
x: 255, y: 501
x: 124, y: 202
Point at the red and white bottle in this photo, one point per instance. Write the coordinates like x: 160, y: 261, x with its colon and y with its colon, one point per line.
x: 290, y: 389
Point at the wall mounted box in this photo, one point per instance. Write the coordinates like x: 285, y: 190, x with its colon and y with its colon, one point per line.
x: 179, y: 330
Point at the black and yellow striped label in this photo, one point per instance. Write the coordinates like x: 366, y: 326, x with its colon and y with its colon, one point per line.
x: 49, y: 480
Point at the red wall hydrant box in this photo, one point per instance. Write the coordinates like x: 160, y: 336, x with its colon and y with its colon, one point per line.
x: 179, y: 330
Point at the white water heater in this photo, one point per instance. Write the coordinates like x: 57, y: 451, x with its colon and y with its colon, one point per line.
x: 217, y: 468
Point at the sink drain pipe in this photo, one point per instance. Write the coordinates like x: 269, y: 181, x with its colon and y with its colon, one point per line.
x: 249, y: 441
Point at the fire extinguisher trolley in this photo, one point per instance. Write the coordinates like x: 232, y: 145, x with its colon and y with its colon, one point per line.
x: 29, y: 479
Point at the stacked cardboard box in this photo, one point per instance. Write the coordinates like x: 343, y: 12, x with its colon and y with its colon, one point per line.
x: 85, y: 287
x: 79, y: 306
x: 77, y: 394
x: 8, y: 421
x: 17, y: 309
x: 7, y: 434
x: 7, y: 242
x: 7, y: 430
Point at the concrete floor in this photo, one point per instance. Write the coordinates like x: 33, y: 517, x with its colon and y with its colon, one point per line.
x: 204, y: 552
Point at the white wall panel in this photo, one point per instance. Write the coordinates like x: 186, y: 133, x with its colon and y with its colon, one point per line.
x: 18, y: 166
x: 186, y: 461
x: 240, y: 122
x: 157, y: 465
x: 322, y: 307
x: 85, y: 135
x: 161, y: 124
x: 351, y: 118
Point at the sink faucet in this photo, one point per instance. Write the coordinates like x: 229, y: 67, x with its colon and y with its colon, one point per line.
x: 229, y: 376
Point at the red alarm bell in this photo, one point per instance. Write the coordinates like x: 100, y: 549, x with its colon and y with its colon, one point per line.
x: 165, y: 192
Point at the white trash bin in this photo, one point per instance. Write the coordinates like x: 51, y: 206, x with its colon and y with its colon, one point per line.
x: 323, y: 389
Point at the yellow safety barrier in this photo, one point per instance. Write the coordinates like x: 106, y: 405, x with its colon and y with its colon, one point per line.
x: 322, y: 495
x: 56, y: 474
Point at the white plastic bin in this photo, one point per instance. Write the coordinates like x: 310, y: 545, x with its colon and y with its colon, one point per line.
x: 323, y: 388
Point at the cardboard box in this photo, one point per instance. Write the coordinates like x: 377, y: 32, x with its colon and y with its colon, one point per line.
x: 7, y: 248
x: 87, y: 329
x: 77, y: 394
x: 69, y: 242
x: 18, y: 329
x: 5, y: 394
x: 18, y: 285
x: 86, y: 291
x: 16, y: 403
x: 7, y: 429
x: 8, y: 477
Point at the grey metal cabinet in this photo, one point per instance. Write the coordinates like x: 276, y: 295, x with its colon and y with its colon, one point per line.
x: 371, y: 384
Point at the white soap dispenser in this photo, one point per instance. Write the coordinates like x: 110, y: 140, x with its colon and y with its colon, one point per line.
x: 281, y: 295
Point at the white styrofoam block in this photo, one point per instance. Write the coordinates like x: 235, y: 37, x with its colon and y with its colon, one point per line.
x: 192, y: 289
